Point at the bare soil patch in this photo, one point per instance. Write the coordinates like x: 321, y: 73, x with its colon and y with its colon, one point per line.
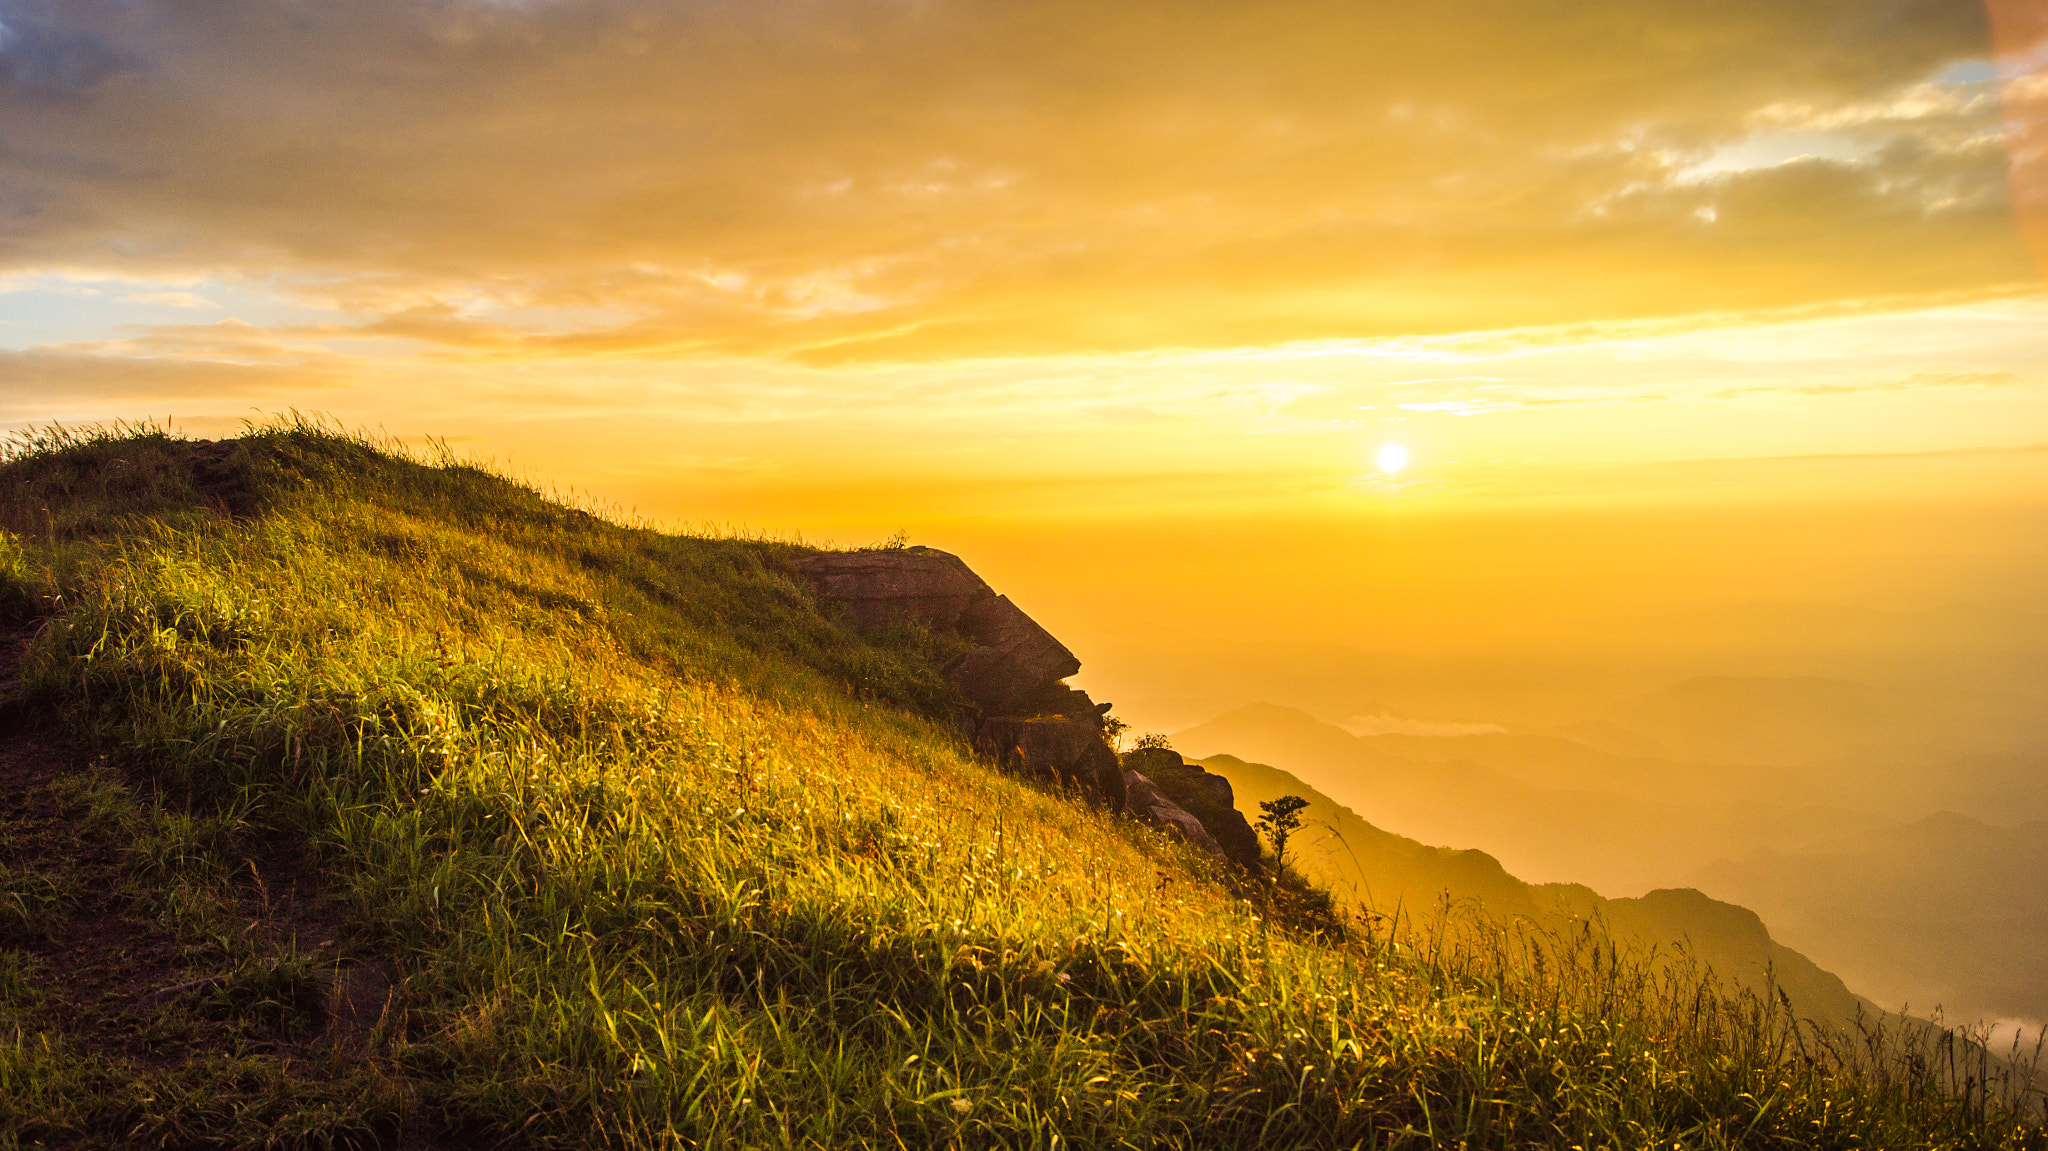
x: 195, y: 980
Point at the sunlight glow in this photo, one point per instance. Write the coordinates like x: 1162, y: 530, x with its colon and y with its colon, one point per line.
x: 1393, y: 458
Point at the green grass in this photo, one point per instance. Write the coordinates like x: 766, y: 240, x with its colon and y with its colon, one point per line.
x: 661, y: 855
x: 107, y: 858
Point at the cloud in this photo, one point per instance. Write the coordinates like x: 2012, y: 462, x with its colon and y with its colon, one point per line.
x: 847, y: 180
x: 227, y: 341
x: 39, y: 62
x: 1918, y: 381
x: 45, y: 384
x: 229, y: 360
x: 1387, y: 724
x: 1493, y: 398
x: 169, y: 299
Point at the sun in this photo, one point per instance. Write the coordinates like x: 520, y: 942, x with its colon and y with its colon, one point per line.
x: 1393, y: 458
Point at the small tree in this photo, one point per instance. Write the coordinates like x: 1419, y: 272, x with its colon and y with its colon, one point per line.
x: 1153, y: 739
x: 1113, y: 730
x: 1281, y: 820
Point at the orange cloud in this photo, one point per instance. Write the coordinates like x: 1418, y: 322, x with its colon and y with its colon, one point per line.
x: 854, y: 181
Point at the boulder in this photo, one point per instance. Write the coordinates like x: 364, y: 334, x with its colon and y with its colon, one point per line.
x: 1014, y: 657
x: 1218, y: 788
x: 1055, y: 748
x: 883, y: 586
x: 1059, y: 699
x: 1203, y: 794
x: 1154, y: 760
x: 1148, y: 803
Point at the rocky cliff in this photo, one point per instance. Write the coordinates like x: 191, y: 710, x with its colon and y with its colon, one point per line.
x: 1024, y: 717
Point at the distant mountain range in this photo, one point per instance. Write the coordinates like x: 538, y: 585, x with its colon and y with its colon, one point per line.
x: 1782, y: 720
x: 1552, y: 808
x: 1945, y: 910
x: 1394, y: 874
x: 1807, y: 821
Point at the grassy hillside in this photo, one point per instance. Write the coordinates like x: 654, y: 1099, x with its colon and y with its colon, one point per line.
x: 355, y: 801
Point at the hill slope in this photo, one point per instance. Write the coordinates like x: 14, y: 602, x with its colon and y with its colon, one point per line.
x: 1397, y: 875
x: 429, y: 812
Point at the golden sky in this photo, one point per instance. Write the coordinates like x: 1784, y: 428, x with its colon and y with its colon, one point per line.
x: 1028, y: 279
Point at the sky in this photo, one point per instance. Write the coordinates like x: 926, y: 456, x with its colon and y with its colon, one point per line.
x: 1675, y: 309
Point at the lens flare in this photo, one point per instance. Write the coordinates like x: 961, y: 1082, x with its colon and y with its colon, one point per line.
x: 1393, y: 458
x: 2019, y: 37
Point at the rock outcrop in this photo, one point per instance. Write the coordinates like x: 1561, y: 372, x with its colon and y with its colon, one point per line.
x: 1204, y: 795
x: 878, y: 588
x: 1056, y: 748
x: 1148, y: 803
x: 1059, y: 699
x: 1013, y: 657
x: 1028, y: 719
